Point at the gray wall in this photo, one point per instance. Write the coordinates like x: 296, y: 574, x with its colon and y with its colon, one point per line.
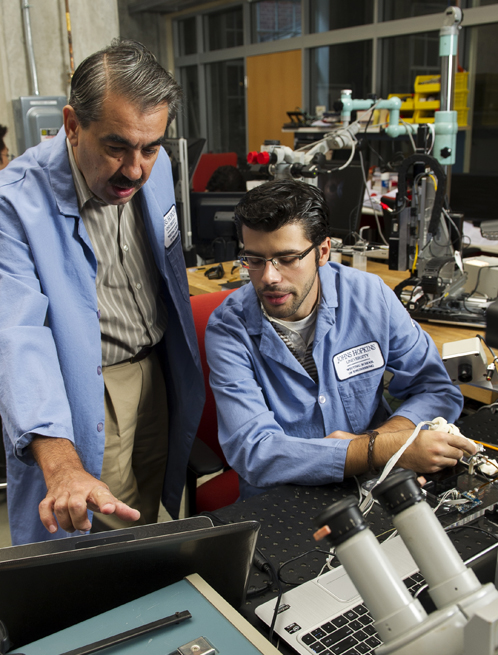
x: 148, y: 27
x: 94, y: 24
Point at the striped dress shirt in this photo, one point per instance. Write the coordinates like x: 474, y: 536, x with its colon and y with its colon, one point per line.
x: 132, y: 312
x: 298, y: 336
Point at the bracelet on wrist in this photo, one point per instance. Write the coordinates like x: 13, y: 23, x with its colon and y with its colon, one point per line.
x: 372, y: 434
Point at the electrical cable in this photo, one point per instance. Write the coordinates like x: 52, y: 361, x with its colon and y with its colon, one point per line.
x: 487, y: 268
x: 353, y: 150
x: 431, y: 302
x: 409, y: 132
x: 493, y: 407
x: 360, y: 493
x: 414, y: 267
x: 495, y: 358
x: 393, y: 461
x: 470, y: 310
x: 454, y: 225
x: 432, y: 129
x: 293, y: 559
x: 260, y: 562
x: 411, y: 281
x: 277, y: 603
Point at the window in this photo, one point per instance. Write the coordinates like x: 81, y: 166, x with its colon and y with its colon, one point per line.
x: 275, y: 19
x: 481, y: 59
x: 187, y: 36
x: 405, y: 57
x: 362, y: 45
x: 337, y: 67
x: 190, y: 84
x: 333, y: 14
x: 223, y: 29
x: 394, y: 9
x: 226, y: 107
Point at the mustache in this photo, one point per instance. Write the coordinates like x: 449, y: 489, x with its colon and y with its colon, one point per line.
x: 270, y: 288
x: 120, y: 180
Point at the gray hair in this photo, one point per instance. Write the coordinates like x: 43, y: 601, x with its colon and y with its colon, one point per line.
x: 126, y: 68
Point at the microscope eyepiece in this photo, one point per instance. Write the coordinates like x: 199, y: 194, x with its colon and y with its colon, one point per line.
x: 343, y: 520
x: 398, y: 492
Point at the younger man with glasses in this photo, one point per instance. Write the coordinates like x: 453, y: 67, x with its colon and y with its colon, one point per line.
x: 298, y: 357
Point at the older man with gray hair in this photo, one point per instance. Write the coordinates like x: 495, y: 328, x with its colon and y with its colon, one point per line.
x: 100, y: 384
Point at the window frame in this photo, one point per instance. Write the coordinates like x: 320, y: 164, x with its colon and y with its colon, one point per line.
x: 375, y: 32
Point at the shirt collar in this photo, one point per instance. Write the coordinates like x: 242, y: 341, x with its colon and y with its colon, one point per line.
x: 328, y: 300
x: 83, y: 192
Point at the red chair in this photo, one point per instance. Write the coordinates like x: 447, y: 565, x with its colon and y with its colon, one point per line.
x: 207, y: 165
x: 206, y: 456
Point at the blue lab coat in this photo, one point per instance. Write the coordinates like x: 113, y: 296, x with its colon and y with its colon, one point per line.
x: 272, y: 416
x: 51, y: 380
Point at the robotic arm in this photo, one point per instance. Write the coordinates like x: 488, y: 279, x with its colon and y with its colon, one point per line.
x: 305, y: 163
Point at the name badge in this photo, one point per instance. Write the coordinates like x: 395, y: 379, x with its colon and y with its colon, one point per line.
x: 170, y: 227
x: 367, y: 357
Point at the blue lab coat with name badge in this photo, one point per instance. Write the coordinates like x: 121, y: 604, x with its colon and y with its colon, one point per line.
x: 50, y: 344
x: 273, y: 417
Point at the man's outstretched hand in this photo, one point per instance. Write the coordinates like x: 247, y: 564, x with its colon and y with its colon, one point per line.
x: 71, y: 491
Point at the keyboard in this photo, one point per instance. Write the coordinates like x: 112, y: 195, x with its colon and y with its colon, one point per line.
x: 351, y: 633
x: 435, y: 315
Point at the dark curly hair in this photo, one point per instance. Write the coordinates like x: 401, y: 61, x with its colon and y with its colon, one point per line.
x: 226, y: 178
x: 3, y: 132
x: 272, y: 205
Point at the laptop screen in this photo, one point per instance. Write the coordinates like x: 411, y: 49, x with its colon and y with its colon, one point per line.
x: 49, y: 586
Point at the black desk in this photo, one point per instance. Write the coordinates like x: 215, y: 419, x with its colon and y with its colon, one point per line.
x: 286, y: 515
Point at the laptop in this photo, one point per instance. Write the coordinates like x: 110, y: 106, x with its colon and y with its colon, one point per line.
x: 327, y: 614
x: 52, y: 585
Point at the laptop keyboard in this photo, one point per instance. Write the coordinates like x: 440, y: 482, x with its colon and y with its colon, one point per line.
x: 351, y: 633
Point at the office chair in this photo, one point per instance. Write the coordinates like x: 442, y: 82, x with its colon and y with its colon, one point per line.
x: 206, y: 456
x: 207, y: 165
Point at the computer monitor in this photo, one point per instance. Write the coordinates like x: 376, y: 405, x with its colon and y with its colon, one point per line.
x: 48, y: 586
x: 474, y: 196
x: 343, y: 190
x: 184, y: 155
x: 194, y: 151
x: 213, y: 228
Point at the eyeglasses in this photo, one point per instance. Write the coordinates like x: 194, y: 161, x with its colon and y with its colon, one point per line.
x: 285, y: 262
x: 7, y: 156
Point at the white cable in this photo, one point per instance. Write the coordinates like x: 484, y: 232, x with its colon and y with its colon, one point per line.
x: 452, y: 222
x: 328, y: 562
x: 393, y: 461
x: 393, y: 534
x: 409, y: 132
x: 360, y: 493
x: 353, y: 149
x: 432, y: 128
x: 495, y: 404
x: 316, y: 145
